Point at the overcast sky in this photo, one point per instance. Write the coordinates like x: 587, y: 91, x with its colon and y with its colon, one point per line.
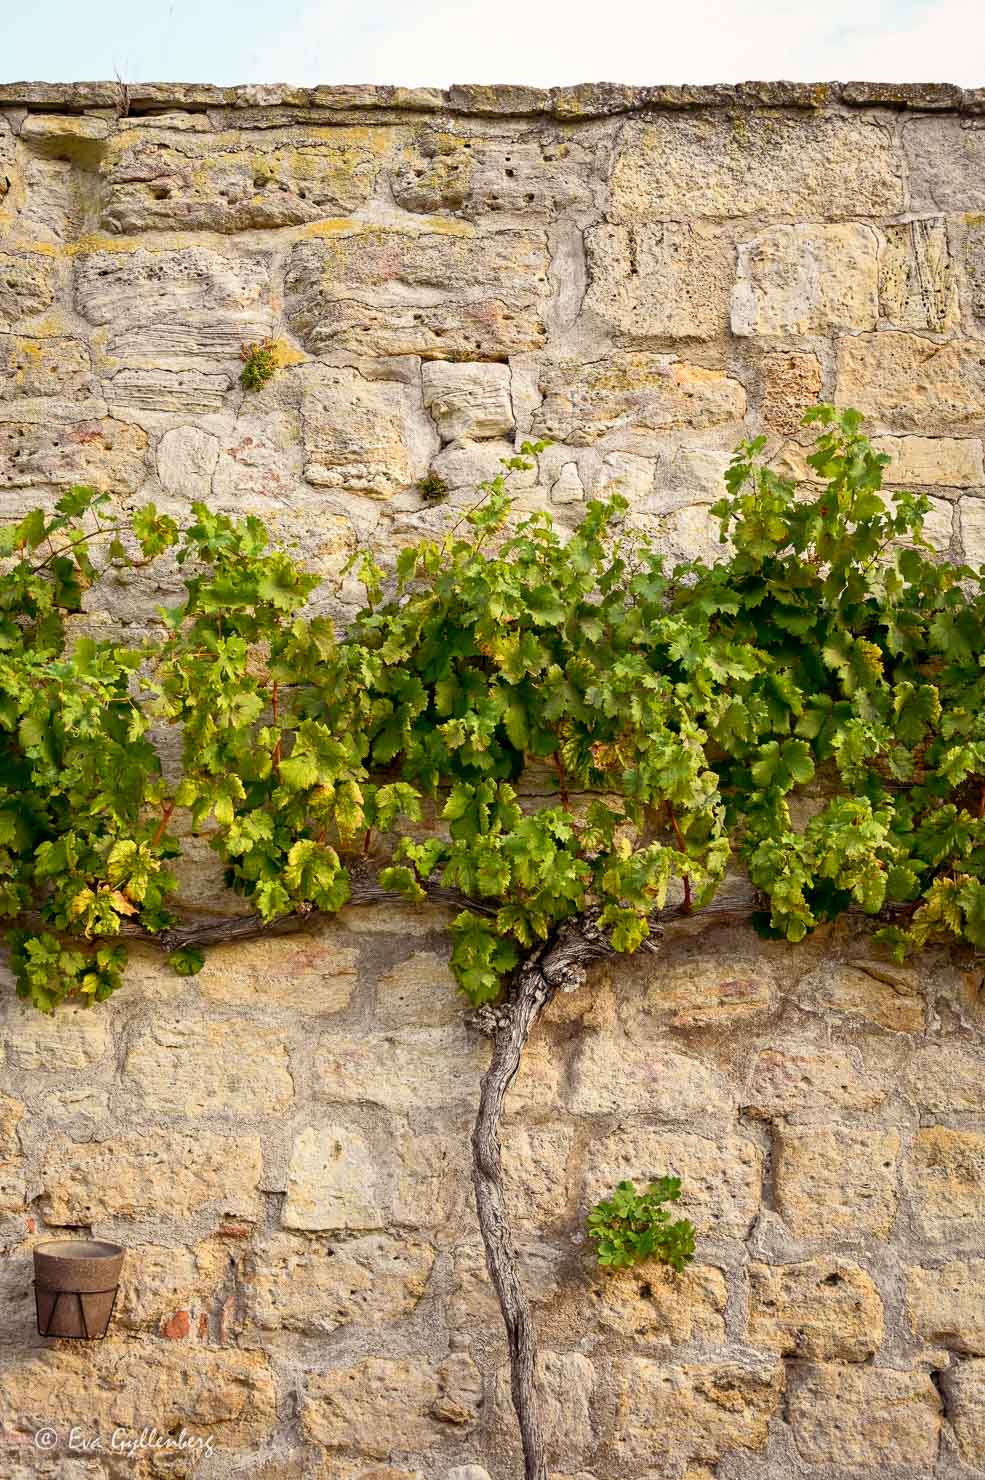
x: 416, y: 42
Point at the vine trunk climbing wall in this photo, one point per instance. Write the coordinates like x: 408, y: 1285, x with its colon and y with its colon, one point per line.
x: 642, y: 276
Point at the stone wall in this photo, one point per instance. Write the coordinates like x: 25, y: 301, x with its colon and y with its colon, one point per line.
x: 642, y: 275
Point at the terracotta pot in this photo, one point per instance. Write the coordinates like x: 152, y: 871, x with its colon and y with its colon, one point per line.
x: 75, y: 1284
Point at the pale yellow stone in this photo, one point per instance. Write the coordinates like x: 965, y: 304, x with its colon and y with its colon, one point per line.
x: 11, y: 1114
x: 875, y: 990
x: 137, y: 1174
x: 688, y: 1411
x: 716, y: 164
x: 659, y: 280
x: 27, y: 286
x: 383, y: 1405
x: 364, y: 436
x: 721, y: 1175
x: 305, y: 1284
x: 418, y: 993
x: 654, y: 1307
x: 836, y: 1181
x: 566, y: 1387
x: 972, y: 515
x: 917, y: 287
x: 793, y: 1078
x: 191, y: 1067
x: 946, y: 1180
x: 903, y: 382
x: 13, y: 1187
x: 31, y: 367
x: 614, y: 1073
x: 946, y: 1304
x: 432, y: 1179
x: 228, y: 1396
x: 470, y: 401
x: 807, y: 280
x: 791, y: 384
x: 630, y: 398
x: 58, y: 1042
x: 966, y: 1391
x: 866, y: 1418
x: 107, y: 453
x: 535, y: 1165
x: 158, y: 1281
x: 951, y: 462
x: 415, y: 1066
x: 705, y: 991
x: 309, y: 974
x: 333, y: 1181
x: 946, y: 1077
x: 826, y: 1309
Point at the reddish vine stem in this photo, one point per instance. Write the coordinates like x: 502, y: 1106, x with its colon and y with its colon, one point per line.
x: 165, y: 819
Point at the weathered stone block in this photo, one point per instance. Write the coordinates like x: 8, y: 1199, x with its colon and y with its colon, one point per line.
x: 974, y: 264
x: 385, y: 1405
x: 917, y: 289
x: 654, y: 1307
x: 186, y: 459
x: 836, y: 1181
x: 946, y: 1305
x: 333, y: 1181
x: 159, y: 1285
x: 946, y: 164
x: 865, y: 1417
x: 535, y: 1163
x: 946, y: 1077
x: 689, y: 1412
x: 565, y: 1385
x: 468, y: 400
x: 107, y: 453
x: 158, y: 179
x: 807, y: 280
x: 882, y: 993
x: 431, y: 1067
x: 704, y: 990
x: 631, y: 399
x: 713, y: 164
x: 499, y: 179
x: 965, y: 1387
x: 159, y: 388
x: 432, y: 1179
x: 190, y: 1066
x: 73, y: 1038
x: 13, y: 1187
x: 826, y: 1309
x: 791, y: 385
x: 365, y: 436
x: 304, y: 1284
x: 262, y: 461
x: 418, y: 993
x: 382, y: 291
x: 11, y: 1114
x: 659, y: 280
x: 138, y: 1175
x: 27, y: 285
x: 307, y: 974
x: 951, y: 462
x: 906, y: 383
x: 803, y: 1077
x: 946, y: 1181
x: 614, y: 1074
x: 721, y: 1177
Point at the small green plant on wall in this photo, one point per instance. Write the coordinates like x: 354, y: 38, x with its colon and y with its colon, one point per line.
x: 259, y: 365
x: 633, y: 1227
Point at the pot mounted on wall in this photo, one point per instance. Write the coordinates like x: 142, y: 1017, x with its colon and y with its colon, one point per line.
x: 75, y: 1285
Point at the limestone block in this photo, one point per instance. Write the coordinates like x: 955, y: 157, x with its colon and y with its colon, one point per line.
x: 107, y: 453
x: 565, y: 1384
x: 615, y: 1074
x: 365, y: 436
x: 654, y: 1307
x: 535, y: 1163
x: 946, y: 1182
x: 626, y: 474
x: 182, y: 305
x: 946, y: 1077
x: 262, y: 460
x: 13, y: 1187
x: 807, y: 280
x: 791, y: 384
x: 432, y: 1173
x: 946, y: 164
x: 917, y: 289
x: 138, y: 1174
x: 27, y: 286
x: 427, y: 1066
x: 689, y: 1411
x: 468, y: 400
x: 303, y: 1284
x: 306, y: 974
x: 382, y: 1405
x: 11, y: 1114
x: 865, y: 1417
x: 791, y: 1078
x: 420, y: 992
x: 972, y: 516
x: 382, y: 291
x: 836, y: 1181
x: 946, y: 1304
x: 172, y: 180
x: 827, y: 1309
x: 160, y: 388
x: 965, y: 1386
x: 464, y: 465
x: 567, y: 487
x: 631, y: 398
x: 497, y: 178
x: 878, y: 991
x: 473, y: 1305
x: 186, y: 459
x: 974, y: 265
x: 952, y: 462
x: 193, y: 1066
x: 228, y: 1396
x: 721, y: 1177
x: 159, y: 1283
x: 822, y: 166
x: 72, y: 1038
x: 333, y: 1181
x: 655, y: 280
x: 706, y: 991
x: 905, y: 383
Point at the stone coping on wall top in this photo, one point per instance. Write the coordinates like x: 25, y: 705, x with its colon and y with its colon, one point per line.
x: 583, y: 100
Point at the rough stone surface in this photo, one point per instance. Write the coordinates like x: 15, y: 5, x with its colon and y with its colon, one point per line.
x: 282, y: 1141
